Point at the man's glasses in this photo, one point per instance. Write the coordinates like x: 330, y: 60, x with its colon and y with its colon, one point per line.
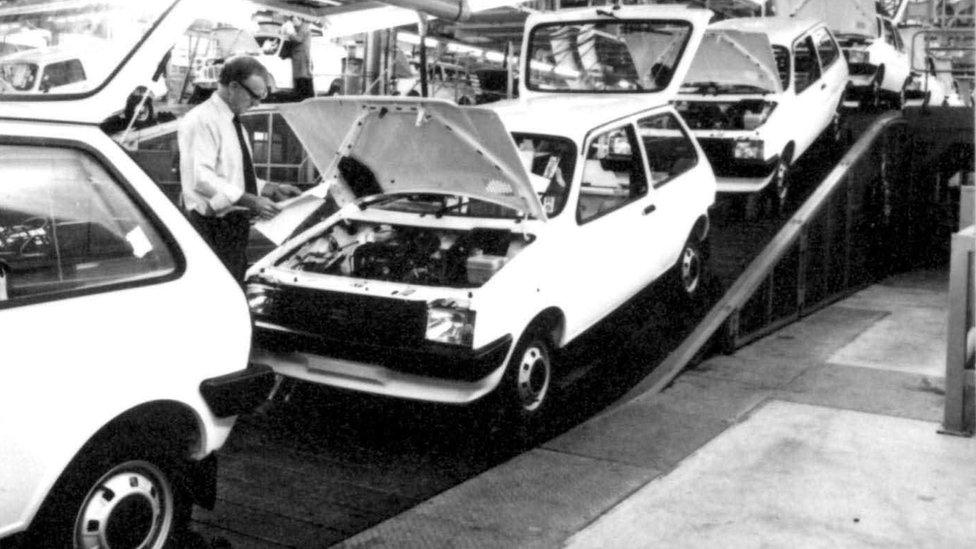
x: 250, y: 92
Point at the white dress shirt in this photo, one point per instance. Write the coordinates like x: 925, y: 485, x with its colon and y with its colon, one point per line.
x: 211, y: 163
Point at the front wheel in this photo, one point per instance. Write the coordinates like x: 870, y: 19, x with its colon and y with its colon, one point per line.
x: 527, y: 385
x: 871, y: 100
x: 690, y: 270
x: 779, y: 187
x: 115, y: 499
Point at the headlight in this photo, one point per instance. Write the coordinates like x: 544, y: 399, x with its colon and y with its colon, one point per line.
x: 450, y: 322
x: 857, y: 56
x: 749, y: 150
x: 259, y: 298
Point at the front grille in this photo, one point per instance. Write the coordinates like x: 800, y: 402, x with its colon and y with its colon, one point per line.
x: 720, y: 154
x: 349, y: 317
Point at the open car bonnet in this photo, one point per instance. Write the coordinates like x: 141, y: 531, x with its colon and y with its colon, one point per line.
x: 730, y: 57
x: 413, y: 145
x: 842, y: 16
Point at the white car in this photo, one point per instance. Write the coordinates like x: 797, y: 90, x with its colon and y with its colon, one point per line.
x: 462, y: 272
x: 471, y: 260
x: 41, y: 70
x: 760, y: 92
x: 328, y: 57
x: 879, y: 61
x: 126, y: 341
x: 445, y: 81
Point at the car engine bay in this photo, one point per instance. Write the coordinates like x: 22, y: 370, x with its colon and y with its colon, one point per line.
x: 411, y: 254
x: 747, y: 114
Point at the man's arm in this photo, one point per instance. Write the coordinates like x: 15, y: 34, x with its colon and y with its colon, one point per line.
x: 277, y: 191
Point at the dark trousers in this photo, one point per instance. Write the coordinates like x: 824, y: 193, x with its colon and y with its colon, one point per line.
x: 227, y: 237
x: 303, y: 89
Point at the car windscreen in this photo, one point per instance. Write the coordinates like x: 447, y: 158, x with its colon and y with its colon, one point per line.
x: 605, y: 56
x: 81, y: 42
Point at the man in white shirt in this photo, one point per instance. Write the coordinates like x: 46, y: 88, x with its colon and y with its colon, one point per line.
x: 221, y: 192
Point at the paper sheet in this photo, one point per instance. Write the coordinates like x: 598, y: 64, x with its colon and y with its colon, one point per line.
x: 293, y: 212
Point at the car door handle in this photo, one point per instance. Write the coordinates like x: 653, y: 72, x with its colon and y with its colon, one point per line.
x: 823, y: 86
x: 649, y: 209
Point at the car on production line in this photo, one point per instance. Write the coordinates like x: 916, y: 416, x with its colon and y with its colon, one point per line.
x: 759, y: 93
x: 879, y: 62
x: 476, y: 258
x: 108, y: 430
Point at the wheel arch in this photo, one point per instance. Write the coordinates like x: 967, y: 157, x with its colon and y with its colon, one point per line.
x: 174, y: 425
x: 552, y: 321
x: 701, y: 228
x: 789, y: 152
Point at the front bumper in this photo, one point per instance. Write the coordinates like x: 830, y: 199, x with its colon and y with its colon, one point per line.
x: 430, y: 372
x: 238, y: 392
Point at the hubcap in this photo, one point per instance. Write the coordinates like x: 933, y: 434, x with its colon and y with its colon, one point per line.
x: 690, y: 270
x: 532, y: 378
x: 130, y: 507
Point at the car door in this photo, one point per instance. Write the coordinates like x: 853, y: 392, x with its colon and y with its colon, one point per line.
x: 79, y: 261
x: 811, y: 94
x: 833, y: 69
x: 680, y: 191
x: 897, y: 63
x: 616, y: 219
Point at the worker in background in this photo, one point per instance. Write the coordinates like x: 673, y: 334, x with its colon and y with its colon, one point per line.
x: 299, y: 33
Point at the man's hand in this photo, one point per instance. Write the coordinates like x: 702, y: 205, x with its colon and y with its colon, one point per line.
x: 280, y: 191
x: 259, y: 206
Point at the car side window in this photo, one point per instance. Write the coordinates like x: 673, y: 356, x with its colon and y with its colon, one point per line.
x: 826, y: 47
x: 63, y: 73
x: 806, y: 68
x: 613, y: 174
x: 67, y: 226
x: 668, y: 148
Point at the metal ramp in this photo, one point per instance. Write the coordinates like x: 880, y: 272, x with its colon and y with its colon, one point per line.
x: 873, y: 215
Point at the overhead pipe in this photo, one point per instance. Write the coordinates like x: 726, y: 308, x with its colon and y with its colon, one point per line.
x: 448, y: 10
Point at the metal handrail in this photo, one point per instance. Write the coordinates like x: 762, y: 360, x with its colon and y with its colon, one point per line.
x: 958, y: 418
x: 964, y: 35
x: 761, y: 267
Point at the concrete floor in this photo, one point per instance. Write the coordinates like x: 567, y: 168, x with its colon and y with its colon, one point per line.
x: 822, y: 434
x: 806, y: 476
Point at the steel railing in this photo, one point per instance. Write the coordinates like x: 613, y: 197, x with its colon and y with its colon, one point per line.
x: 959, y: 417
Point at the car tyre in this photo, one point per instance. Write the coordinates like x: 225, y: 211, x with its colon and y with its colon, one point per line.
x: 837, y: 134
x: 526, y: 388
x: 116, y: 496
x: 898, y: 99
x: 778, y: 189
x: 871, y: 100
x: 690, y: 271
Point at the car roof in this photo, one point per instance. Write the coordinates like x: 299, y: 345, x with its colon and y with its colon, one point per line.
x: 780, y: 30
x: 569, y: 116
